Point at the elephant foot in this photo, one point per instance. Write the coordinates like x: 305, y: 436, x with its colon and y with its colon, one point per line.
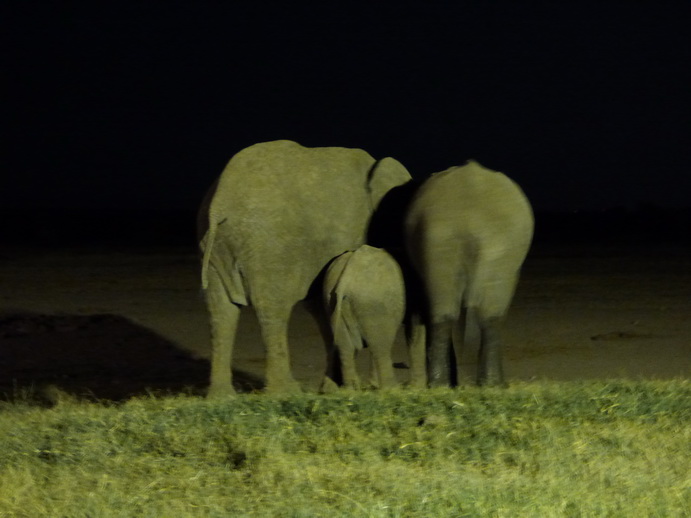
x: 419, y: 383
x: 441, y: 378
x: 394, y: 387
x: 328, y: 386
x: 283, y: 387
x: 220, y: 391
x: 492, y: 381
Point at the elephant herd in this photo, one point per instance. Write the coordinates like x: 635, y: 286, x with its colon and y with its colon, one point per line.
x: 282, y: 217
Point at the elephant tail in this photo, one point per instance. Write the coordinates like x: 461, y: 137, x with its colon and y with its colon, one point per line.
x: 210, y: 237
x: 346, y: 332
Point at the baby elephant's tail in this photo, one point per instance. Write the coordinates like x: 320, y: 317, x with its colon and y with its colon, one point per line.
x: 346, y: 332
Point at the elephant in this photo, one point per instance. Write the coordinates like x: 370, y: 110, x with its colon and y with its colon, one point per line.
x: 467, y: 231
x: 364, y: 296
x: 268, y: 226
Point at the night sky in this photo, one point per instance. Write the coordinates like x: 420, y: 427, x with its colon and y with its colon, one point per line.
x: 140, y: 105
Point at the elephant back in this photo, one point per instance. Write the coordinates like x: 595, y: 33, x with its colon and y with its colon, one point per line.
x: 293, y: 208
x: 473, y: 202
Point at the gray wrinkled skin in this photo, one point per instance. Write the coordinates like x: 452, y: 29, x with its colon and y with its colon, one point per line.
x: 364, y: 296
x: 276, y: 216
x: 467, y: 230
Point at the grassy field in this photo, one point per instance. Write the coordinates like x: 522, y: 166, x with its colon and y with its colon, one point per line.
x: 535, y: 449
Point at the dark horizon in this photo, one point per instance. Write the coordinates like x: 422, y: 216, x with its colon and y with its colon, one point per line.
x: 645, y: 226
x: 137, y: 107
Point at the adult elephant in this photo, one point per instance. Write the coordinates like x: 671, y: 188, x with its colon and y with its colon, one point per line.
x: 467, y: 232
x: 272, y: 221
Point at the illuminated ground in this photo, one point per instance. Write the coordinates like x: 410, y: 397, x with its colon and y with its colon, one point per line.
x: 112, y: 323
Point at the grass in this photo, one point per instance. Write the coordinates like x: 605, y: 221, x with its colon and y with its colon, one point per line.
x: 535, y: 449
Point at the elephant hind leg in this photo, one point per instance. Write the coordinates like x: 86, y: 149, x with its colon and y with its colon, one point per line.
x: 415, y: 336
x: 383, y: 367
x: 490, y: 370
x: 440, y: 354
x: 379, y: 330
x: 347, y: 355
x: 224, y: 317
x: 273, y: 323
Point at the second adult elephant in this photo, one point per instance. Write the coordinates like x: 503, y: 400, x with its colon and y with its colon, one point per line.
x: 273, y: 220
x: 467, y: 232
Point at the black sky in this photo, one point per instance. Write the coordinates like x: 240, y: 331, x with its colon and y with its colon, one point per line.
x: 140, y: 105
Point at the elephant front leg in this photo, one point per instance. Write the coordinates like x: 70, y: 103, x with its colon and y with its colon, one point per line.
x: 224, y: 317
x: 440, y: 354
x: 490, y: 369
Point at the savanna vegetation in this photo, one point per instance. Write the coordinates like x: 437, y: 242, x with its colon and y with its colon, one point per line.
x: 535, y: 449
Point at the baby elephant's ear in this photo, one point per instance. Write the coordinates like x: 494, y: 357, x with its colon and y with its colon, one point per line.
x: 386, y: 174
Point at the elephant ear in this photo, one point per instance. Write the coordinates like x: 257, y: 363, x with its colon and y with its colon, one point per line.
x: 386, y: 174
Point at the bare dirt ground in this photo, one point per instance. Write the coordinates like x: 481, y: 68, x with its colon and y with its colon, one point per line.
x: 116, y: 323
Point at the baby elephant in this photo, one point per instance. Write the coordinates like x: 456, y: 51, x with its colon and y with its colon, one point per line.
x: 364, y: 295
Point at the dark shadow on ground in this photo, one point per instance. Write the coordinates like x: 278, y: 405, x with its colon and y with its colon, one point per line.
x: 104, y: 357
